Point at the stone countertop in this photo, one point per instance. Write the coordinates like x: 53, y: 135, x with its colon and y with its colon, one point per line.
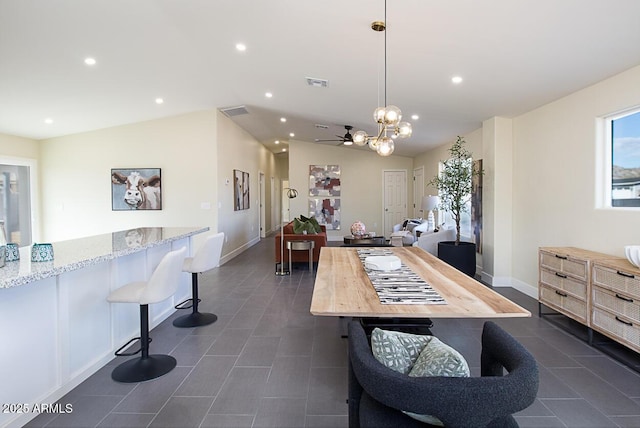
x: 82, y: 252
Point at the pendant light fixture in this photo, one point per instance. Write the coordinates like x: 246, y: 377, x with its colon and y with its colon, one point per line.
x: 387, y: 117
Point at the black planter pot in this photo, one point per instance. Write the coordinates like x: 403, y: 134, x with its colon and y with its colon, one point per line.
x: 461, y: 256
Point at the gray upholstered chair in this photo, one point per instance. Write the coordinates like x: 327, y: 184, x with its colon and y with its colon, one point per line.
x: 377, y: 394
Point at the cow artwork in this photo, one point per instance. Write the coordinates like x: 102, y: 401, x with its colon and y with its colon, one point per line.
x: 136, y: 189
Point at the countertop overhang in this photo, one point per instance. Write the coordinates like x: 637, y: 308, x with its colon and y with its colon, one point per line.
x: 82, y: 252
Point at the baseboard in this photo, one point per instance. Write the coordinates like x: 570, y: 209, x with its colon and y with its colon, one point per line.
x: 507, y: 281
x: 235, y: 253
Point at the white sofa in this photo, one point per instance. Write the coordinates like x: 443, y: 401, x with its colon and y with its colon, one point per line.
x: 410, y: 231
x: 428, y: 241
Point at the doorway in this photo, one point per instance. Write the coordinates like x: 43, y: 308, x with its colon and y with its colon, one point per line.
x: 395, y: 198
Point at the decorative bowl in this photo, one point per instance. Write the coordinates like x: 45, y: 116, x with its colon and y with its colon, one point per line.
x: 633, y: 254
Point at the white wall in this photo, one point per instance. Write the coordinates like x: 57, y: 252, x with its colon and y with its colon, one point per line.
x: 239, y: 150
x: 554, y: 177
x: 76, y: 190
x: 361, y: 182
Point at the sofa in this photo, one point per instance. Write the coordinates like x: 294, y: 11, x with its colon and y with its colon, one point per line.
x: 319, y: 239
x: 408, y: 230
x: 428, y: 241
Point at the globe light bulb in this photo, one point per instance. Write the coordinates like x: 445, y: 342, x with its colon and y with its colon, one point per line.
x: 404, y: 130
x: 392, y: 115
x: 379, y: 114
x: 360, y: 138
x: 386, y: 146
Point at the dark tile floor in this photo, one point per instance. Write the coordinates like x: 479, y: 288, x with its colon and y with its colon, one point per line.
x: 267, y: 362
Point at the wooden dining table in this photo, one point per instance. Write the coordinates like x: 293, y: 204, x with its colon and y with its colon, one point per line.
x: 343, y: 288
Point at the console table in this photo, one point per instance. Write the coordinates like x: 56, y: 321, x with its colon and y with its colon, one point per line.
x: 599, y: 291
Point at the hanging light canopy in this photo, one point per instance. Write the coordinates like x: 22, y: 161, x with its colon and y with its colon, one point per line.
x: 388, y: 117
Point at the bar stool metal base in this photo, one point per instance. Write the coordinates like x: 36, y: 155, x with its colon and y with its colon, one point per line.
x: 195, y: 319
x: 142, y: 369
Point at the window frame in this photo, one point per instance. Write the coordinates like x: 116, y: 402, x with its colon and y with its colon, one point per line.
x: 33, y: 190
x: 604, y: 159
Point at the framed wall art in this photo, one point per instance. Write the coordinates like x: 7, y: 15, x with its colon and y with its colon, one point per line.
x: 326, y: 211
x: 136, y: 189
x: 324, y: 181
x: 240, y: 190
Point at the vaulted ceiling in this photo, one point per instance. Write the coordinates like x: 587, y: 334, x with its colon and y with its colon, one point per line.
x: 513, y: 56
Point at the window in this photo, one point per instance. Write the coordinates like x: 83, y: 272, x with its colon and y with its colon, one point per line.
x: 16, y: 210
x: 625, y: 160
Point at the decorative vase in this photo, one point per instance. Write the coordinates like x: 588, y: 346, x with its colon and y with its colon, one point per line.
x: 358, y: 228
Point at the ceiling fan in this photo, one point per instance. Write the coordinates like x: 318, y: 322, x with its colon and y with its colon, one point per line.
x: 346, y: 139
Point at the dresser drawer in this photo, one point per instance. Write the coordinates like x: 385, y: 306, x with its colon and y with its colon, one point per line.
x: 616, y: 280
x: 563, y: 282
x: 616, y: 327
x: 616, y: 303
x: 564, y: 264
x: 563, y: 302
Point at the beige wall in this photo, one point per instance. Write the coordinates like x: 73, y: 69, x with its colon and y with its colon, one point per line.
x: 361, y: 182
x: 238, y: 150
x: 76, y: 189
x: 555, y: 174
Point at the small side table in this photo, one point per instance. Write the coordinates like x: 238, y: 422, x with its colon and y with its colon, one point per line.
x: 301, y: 246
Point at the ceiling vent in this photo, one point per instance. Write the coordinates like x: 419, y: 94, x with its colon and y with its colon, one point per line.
x: 318, y: 83
x: 234, y: 111
x: 321, y: 126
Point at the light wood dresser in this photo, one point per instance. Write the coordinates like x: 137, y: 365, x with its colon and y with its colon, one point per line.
x: 598, y: 290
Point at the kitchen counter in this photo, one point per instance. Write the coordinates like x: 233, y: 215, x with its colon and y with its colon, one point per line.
x: 58, y: 328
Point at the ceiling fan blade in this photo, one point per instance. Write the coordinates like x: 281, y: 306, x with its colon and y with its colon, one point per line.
x: 320, y: 141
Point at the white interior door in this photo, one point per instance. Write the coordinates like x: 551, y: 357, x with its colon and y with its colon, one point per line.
x: 418, y: 192
x: 395, y: 198
x: 262, y: 206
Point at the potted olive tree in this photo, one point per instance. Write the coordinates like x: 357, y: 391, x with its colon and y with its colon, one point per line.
x: 454, y: 187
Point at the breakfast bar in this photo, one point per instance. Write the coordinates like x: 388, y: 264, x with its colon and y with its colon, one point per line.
x: 57, y: 326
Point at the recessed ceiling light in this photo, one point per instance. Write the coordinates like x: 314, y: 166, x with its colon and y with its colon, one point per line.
x: 241, y: 47
x: 48, y: 121
x: 268, y: 94
x: 415, y: 117
x: 283, y: 119
x: 291, y: 134
x: 284, y: 150
x: 90, y: 61
x: 277, y: 141
x: 456, y: 80
x: 159, y: 101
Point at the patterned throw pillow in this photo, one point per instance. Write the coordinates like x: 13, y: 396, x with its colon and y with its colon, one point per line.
x: 438, y: 359
x: 417, y: 356
x: 396, y: 350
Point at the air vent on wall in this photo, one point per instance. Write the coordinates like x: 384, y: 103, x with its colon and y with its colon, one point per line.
x: 234, y: 111
x: 319, y: 83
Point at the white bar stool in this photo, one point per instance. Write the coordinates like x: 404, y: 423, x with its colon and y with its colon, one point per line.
x: 206, y: 258
x: 301, y: 246
x: 163, y: 284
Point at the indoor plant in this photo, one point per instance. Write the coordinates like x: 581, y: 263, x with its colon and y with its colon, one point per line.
x: 454, y: 187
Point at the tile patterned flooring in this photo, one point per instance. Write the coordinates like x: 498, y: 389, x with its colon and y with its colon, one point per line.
x: 267, y: 362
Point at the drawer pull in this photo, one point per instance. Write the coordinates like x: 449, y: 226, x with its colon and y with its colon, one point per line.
x: 623, y: 322
x: 561, y: 275
x: 626, y: 299
x: 561, y: 294
x: 626, y: 275
x: 561, y: 257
